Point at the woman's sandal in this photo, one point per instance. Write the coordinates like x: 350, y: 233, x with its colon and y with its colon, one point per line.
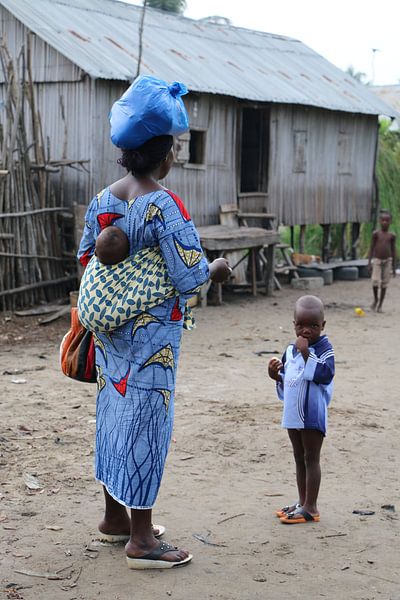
x: 152, y: 560
x: 287, y: 509
x: 114, y: 539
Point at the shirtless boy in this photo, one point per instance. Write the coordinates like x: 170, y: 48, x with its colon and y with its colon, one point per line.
x: 382, y: 259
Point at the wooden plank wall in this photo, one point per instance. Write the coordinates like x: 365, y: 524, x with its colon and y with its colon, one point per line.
x: 204, y: 189
x: 321, y: 165
x: 48, y: 64
x: 320, y: 162
x: 57, y: 81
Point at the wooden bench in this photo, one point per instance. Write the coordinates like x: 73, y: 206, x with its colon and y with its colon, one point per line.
x: 220, y: 240
x: 336, y: 264
x: 287, y: 266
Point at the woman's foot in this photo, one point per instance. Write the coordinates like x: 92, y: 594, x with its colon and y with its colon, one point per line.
x: 119, y: 530
x: 152, y: 554
x: 117, y: 526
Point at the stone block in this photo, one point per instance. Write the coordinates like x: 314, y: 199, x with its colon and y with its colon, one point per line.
x: 327, y: 276
x: 307, y: 283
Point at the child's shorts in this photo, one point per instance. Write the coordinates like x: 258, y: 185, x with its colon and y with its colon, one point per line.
x: 381, y: 271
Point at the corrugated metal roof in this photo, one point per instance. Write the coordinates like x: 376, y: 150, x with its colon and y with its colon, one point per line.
x: 389, y: 94
x: 101, y: 37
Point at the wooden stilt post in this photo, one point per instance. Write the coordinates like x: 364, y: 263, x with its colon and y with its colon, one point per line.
x: 269, y: 269
x: 343, y: 241
x: 355, y: 239
x: 292, y: 237
x: 302, y: 238
x: 326, y: 242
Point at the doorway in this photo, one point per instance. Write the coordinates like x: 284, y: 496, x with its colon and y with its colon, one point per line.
x: 254, y: 151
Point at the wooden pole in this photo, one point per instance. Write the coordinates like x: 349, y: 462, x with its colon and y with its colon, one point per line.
x: 326, y: 242
x: 355, y: 240
x: 33, y: 263
x: 40, y: 284
x: 343, y: 241
x: 141, y: 28
x: 302, y: 238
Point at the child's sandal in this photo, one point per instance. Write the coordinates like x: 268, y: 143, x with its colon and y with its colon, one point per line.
x: 287, y: 509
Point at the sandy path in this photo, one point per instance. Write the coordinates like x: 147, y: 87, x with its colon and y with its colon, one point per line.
x: 227, y: 471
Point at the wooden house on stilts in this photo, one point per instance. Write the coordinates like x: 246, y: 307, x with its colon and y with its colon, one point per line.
x: 272, y: 123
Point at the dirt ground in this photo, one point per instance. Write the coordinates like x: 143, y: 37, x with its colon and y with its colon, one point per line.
x: 229, y: 468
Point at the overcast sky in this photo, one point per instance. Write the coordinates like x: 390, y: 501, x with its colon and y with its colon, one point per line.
x: 344, y: 31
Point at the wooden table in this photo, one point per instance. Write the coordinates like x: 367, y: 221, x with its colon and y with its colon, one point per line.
x: 217, y: 240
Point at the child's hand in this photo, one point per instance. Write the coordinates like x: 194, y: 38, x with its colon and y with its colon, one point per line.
x: 274, y: 366
x: 302, y: 346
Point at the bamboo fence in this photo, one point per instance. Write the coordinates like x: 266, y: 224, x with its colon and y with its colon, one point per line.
x: 36, y: 255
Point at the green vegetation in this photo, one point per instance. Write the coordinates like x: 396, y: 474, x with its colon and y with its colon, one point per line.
x: 388, y: 173
x: 174, y: 6
x: 359, y: 75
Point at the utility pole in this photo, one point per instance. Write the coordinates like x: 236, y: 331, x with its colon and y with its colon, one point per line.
x: 374, y: 51
x: 141, y: 27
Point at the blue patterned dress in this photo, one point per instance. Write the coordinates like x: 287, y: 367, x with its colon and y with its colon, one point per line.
x: 136, y: 363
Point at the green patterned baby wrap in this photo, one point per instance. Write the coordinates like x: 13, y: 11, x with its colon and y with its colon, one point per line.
x: 112, y: 295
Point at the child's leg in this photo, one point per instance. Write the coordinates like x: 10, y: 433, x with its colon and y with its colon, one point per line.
x: 142, y: 540
x: 386, y: 274
x: 298, y: 451
x: 312, y: 442
x: 383, y: 293
x: 116, y: 520
x: 376, y: 277
x: 375, y: 289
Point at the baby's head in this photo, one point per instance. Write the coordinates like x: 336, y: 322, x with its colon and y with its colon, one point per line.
x: 112, y: 245
x: 309, y: 319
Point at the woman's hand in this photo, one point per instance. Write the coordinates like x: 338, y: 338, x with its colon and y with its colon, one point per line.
x: 219, y: 270
x: 274, y: 368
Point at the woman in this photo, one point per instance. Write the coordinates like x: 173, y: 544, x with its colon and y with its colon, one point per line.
x: 137, y: 362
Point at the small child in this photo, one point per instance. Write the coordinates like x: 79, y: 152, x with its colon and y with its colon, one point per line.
x: 112, y: 245
x: 304, y: 383
x: 382, y: 259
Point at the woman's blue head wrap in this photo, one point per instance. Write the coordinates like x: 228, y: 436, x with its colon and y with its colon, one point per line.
x: 149, y: 107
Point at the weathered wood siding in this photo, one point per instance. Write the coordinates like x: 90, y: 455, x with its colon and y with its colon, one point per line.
x: 47, y: 63
x: 104, y: 154
x: 57, y: 81
x: 321, y: 165
x: 205, y: 188
x: 202, y: 187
